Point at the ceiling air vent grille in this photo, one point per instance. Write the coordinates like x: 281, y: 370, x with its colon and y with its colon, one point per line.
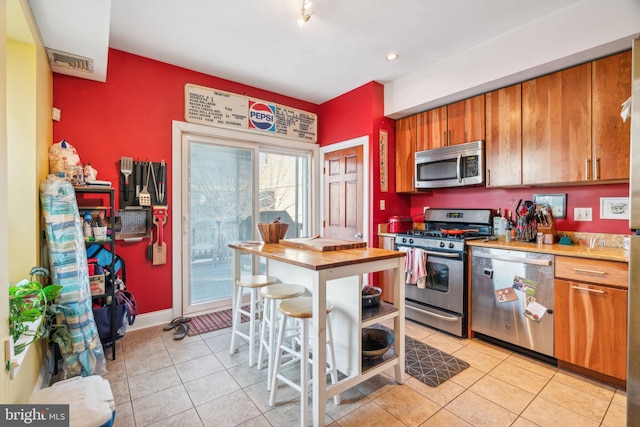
x: 70, y: 61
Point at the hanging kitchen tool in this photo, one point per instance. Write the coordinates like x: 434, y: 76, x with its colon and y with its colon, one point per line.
x: 144, y: 198
x: 159, y: 247
x: 150, y: 246
x: 126, y: 168
x: 163, y: 179
x: 138, y: 178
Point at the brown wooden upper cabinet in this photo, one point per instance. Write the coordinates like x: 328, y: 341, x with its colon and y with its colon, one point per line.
x: 610, y: 87
x: 556, y: 127
x: 405, y: 150
x: 504, y: 137
x: 571, y: 126
x: 452, y: 124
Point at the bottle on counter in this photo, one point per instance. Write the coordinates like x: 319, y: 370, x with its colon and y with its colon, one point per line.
x: 86, y: 226
x: 496, y: 223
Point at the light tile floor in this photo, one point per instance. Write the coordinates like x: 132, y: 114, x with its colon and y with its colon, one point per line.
x: 159, y: 381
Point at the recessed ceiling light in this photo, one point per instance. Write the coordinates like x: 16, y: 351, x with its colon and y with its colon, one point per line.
x: 392, y: 57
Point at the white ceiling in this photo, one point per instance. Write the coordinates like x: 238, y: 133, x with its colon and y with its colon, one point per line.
x: 259, y: 43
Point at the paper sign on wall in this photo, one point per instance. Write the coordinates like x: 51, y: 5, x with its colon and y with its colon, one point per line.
x: 214, y: 107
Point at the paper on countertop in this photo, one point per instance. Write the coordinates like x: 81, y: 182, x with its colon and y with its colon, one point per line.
x: 625, y: 113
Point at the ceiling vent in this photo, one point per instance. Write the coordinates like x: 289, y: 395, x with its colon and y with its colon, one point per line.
x: 69, y: 61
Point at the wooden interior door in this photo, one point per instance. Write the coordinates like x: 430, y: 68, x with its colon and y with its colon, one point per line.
x: 343, y: 194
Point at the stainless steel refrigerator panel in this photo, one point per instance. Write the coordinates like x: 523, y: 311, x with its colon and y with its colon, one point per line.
x: 634, y: 162
x: 633, y: 339
x: 496, y: 269
x: 633, y: 329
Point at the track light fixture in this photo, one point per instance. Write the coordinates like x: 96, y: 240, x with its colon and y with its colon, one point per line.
x: 305, y: 13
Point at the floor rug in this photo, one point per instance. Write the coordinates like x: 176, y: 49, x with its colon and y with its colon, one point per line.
x: 430, y: 365
x: 212, y: 321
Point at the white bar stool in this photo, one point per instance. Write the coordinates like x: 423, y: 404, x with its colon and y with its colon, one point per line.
x: 301, y: 308
x: 270, y: 296
x: 253, y: 283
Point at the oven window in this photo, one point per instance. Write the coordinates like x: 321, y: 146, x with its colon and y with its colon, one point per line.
x: 437, y: 276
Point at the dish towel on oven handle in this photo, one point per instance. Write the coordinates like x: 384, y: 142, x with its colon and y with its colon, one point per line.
x: 419, y: 270
x: 408, y: 263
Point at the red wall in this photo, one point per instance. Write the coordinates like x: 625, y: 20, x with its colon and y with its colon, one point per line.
x: 577, y: 197
x: 131, y: 115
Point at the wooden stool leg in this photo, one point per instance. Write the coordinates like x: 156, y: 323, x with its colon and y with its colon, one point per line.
x: 266, y: 320
x: 253, y: 309
x: 236, y: 320
x: 277, y: 361
x: 304, y: 376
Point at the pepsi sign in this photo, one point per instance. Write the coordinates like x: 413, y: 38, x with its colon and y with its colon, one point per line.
x: 262, y: 116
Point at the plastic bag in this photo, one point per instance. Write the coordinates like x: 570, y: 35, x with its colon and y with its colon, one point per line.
x: 61, y: 155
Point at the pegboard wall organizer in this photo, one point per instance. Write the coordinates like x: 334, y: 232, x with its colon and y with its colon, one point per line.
x: 153, y: 175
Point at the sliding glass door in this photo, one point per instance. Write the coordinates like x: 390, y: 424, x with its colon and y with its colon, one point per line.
x: 229, y: 186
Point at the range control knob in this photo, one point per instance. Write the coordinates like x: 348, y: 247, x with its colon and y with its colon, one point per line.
x: 451, y: 245
x: 411, y: 241
x: 442, y: 244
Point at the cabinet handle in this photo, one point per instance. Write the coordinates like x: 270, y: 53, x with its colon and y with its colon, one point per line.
x: 444, y: 138
x: 579, y: 288
x: 583, y: 270
x: 587, y: 170
x: 596, y: 169
x: 488, y: 177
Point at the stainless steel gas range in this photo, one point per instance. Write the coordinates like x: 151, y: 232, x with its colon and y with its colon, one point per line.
x: 436, y: 266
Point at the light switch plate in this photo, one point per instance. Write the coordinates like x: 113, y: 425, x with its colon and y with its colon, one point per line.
x: 582, y: 214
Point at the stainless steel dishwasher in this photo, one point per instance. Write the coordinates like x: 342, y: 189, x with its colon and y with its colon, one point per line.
x: 512, y: 297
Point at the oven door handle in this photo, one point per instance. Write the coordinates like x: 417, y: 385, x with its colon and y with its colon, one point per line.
x: 437, y: 254
x: 438, y: 316
x: 441, y: 254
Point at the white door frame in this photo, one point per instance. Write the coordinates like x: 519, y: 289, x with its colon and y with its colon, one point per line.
x: 364, y: 142
x: 179, y: 130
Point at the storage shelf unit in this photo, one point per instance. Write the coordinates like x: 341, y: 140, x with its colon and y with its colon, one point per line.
x: 109, y: 244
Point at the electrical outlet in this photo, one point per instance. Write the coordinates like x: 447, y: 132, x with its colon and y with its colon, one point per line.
x: 582, y: 214
x: 382, y: 205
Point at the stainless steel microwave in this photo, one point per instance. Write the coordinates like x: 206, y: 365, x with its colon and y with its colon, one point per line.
x: 454, y: 166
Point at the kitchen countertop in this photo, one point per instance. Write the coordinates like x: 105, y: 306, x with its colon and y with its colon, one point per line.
x: 600, y: 253
x: 316, y: 260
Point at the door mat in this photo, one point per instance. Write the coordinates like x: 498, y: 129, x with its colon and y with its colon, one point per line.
x: 430, y: 365
x: 213, y: 321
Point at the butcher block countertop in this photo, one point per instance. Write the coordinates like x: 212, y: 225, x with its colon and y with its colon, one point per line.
x: 313, y: 259
x: 606, y: 253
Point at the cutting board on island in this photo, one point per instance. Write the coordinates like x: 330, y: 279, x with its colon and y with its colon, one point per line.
x: 321, y: 244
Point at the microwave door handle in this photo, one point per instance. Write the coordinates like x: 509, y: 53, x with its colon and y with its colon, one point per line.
x: 458, y: 171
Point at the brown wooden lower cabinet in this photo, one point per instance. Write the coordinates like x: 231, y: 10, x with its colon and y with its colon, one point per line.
x: 590, y: 327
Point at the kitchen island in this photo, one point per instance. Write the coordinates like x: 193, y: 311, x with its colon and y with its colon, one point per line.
x: 337, y: 276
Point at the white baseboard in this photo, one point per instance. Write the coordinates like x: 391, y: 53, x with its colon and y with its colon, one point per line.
x: 154, y: 318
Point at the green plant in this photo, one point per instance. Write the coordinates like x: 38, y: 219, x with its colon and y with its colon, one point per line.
x: 28, y: 301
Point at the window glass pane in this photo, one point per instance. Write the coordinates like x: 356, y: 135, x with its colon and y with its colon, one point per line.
x: 220, y: 206
x: 284, y: 191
